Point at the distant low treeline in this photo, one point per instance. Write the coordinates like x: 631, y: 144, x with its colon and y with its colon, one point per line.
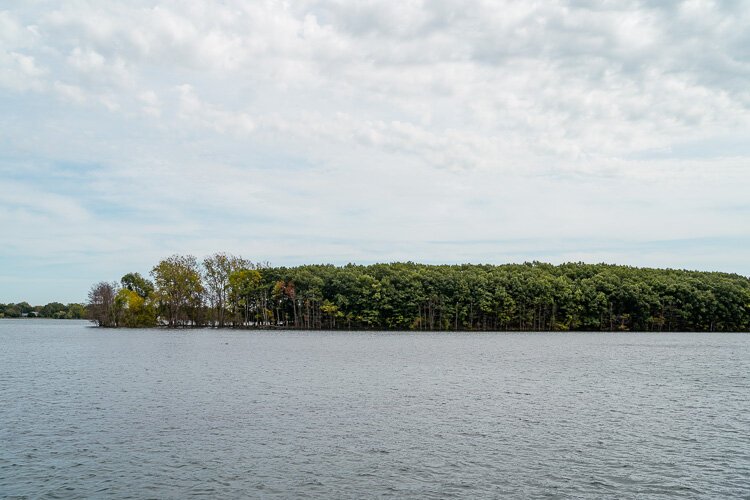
x: 54, y: 310
x: 228, y: 291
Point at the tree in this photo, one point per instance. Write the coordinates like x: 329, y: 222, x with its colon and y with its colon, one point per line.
x: 52, y: 309
x: 179, y: 290
x: 138, y: 284
x: 217, y: 269
x: 11, y: 311
x: 134, y: 310
x: 243, y: 286
x: 24, y: 307
x: 75, y: 311
x: 102, y: 307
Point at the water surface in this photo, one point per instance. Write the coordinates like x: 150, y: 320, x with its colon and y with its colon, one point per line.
x: 86, y: 412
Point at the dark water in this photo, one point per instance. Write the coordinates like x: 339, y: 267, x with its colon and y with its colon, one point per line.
x: 143, y: 413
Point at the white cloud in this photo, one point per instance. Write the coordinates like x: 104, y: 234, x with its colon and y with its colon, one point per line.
x: 390, y: 126
x: 70, y: 92
x: 20, y: 72
x: 569, y: 80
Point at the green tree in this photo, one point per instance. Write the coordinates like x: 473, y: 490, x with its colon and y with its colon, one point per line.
x: 75, y: 311
x: 179, y: 290
x: 138, y: 284
x: 217, y: 269
x: 243, y: 290
x: 50, y: 310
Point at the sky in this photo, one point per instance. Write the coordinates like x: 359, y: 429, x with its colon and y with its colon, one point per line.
x: 336, y: 131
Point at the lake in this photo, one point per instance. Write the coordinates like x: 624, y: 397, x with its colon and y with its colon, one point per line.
x: 86, y: 412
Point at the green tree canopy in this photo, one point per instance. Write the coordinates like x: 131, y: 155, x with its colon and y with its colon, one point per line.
x: 138, y: 284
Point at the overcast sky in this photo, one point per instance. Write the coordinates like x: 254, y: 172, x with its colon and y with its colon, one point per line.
x: 364, y: 131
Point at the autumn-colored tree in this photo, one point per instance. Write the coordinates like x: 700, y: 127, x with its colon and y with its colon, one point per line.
x: 135, y: 311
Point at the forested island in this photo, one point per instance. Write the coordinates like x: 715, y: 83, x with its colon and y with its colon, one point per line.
x: 229, y: 291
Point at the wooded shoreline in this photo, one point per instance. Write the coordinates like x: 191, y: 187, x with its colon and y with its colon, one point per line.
x: 228, y: 291
x: 52, y: 310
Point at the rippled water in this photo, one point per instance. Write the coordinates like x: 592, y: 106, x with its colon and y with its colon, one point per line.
x: 147, y: 413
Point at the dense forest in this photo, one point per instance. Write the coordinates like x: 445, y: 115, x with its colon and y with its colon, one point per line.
x: 228, y: 291
x: 55, y: 310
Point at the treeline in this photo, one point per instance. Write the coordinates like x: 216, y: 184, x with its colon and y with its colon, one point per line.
x: 229, y: 291
x: 54, y: 310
